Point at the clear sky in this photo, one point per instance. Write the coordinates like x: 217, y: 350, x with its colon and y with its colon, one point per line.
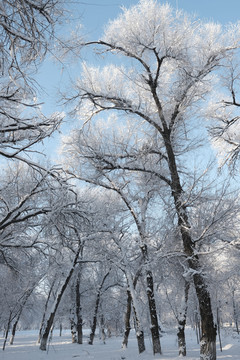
x: 94, y: 14
x: 97, y: 12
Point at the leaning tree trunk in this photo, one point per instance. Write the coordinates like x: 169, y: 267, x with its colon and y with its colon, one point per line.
x: 94, y: 323
x: 208, y: 328
x: 11, y: 341
x: 24, y: 300
x: 7, y: 330
x: 45, y: 311
x: 43, y: 345
x: 14, y: 328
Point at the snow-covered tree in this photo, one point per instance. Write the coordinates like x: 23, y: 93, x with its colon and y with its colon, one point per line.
x: 170, y: 64
x: 223, y: 109
x: 134, y: 192
x: 27, y: 30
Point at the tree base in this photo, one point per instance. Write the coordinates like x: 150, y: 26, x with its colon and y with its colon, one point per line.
x: 207, y: 350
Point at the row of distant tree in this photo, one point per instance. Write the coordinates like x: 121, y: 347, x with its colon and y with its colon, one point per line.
x: 137, y: 227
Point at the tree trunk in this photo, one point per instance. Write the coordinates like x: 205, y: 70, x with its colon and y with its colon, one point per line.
x: 197, y: 325
x: 45, y: 311
x: 7, y: 330
x: 79, y: 324
x: 151, y: 301
x: 128, y: 311
x: 44, y: 338
x: 149, y: 277
x: 138, y: 326
x: 140, y: 341
x: 182, y: 349
x: 60, y: 329
x: 102, y: 330
x: 13, y: 332
x: 139, y: 332
x: 127, y: 320
x: 208, y: 328
x: 43, y: 345
x: 218, y: 328
x: 235, y: 311
x: 73, y: 328
x: 21, y: 307
x: 94, y: 323
x: 153, y: 315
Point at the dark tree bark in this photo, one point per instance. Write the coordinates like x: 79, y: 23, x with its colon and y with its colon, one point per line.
x: 235, y: 311
x: 43, y: 345
x: 139, y: 332
x: 21, y: 307
x: 14, y: 328
x: 218, y: 328
x: 137, y: 321
x: 45, y: 311
x: 127, y: 320
x: 208, y: 328
x: 79, y: 324
x: 149, y: 278
x: 128, y: 312
x: 140, y: 341
x: 182, y: 349
x: 94, y: 323
x: 181, y: 339
x: 7, y: 330
x: 153, y: 314
x: 102, y: 334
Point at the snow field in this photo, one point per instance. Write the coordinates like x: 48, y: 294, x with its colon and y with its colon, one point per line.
x: 61, y: 348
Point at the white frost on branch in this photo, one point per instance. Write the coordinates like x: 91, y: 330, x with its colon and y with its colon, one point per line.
x: 225, y: 126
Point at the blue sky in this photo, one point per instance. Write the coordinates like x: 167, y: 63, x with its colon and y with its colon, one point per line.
x: 94, y: 14
x: 97, y: 12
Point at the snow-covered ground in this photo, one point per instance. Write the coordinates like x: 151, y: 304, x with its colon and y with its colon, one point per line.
x: 61, y: 348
